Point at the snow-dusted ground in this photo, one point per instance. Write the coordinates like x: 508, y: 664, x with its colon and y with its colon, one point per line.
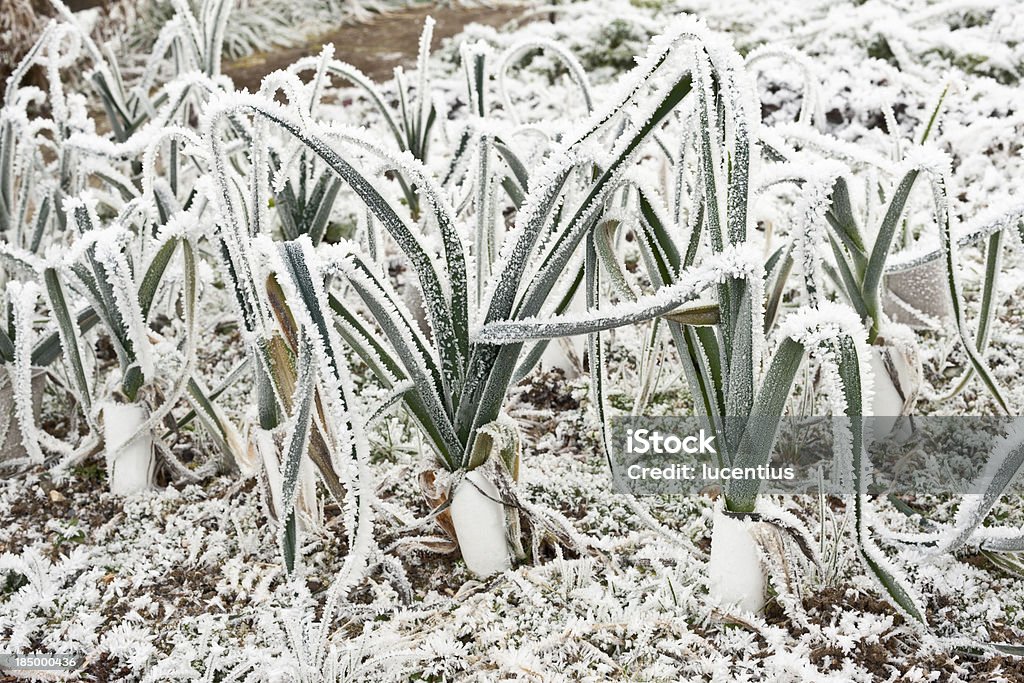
x: 179, y: 583
x: 186, y: 583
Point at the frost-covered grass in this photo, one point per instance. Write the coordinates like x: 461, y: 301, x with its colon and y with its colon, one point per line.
x: 300, y: 288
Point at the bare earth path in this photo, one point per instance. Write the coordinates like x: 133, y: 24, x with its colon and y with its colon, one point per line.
x: 376, y: 46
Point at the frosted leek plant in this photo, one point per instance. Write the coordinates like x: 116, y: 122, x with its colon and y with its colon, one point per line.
x: 23, y: 360
x: 108, y: 248
x: 860, y: 273
x: 94, y: 283
x: 100, y: 273
x: 1005, y: 463
x: 47, y: 158
x: 1001, y: 473
x: 251, y: 28
x: 308, y: 417
x: 452, y: 385
x: 36, y: 170
x: 304, y: 206
x: 737, y: 376
x: 411, y: 123
x: 39, y: 168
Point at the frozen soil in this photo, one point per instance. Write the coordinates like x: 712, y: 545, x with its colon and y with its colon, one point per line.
x: 173, y: 584
x: 377, y: 45
x: 186, y: 582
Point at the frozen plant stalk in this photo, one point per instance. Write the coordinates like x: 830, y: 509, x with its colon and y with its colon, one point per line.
x: 735, y: 576
x: 478, y: 516
x: 130, y: 462
x: 897, y: 379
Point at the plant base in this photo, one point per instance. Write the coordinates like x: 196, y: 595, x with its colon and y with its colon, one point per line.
x: 479, y: 520
x: 130, y: 467
x: 735, y: 576
x: 897, y: 378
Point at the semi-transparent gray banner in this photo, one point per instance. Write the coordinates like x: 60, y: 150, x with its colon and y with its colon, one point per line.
x: 909, y: 455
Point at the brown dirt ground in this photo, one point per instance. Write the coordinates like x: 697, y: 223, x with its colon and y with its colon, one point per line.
x: 376, y: 46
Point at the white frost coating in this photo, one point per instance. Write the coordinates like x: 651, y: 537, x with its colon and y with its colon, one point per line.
x: 341, y: 261
x: 520, y: 50
x: 811, y: 327
x: 479, y: 519
x: 346, y: 433
x: 352, y: 74
x: 873, y: 553
x: 549, y: 647
x: 782, y: 518
x: 24, y: 260
x: 810, y: 107
x: 22, y: 297
x: 832, y: 147
x: 316, y: 87
x: 140, y: 143
x: 469, y: 53
x: 656, y: 71
x: 937, y: 176
x: 322, y: 350
x: 992, y: 220
x: 358, y: 508
x: 194, y: 149
x: 108, y: 250
x: 420, y: 251
x: 262, y: 442
x: 110, y: 253
x: 1004, y: 466
x: 814, y: 201
x: 130, y: 458
x: 793, y: 171
x: 266, y: 449
x: 233, y: 441
x: 735, y: 575
x: 223, y: 105
x: 516, y: 240
x: 741, y: 261
x: 423, y: 69
x: 334, y: 376
x: 927, y: 158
